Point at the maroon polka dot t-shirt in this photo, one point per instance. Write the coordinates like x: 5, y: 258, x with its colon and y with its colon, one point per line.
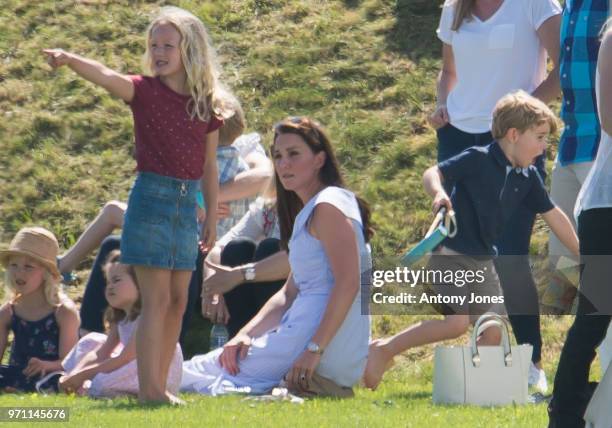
x: 168, y: 141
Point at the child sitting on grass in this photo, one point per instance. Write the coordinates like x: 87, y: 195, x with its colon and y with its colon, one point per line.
x: 44, y: 321
x: 105, y: 366
x: 491, y: 183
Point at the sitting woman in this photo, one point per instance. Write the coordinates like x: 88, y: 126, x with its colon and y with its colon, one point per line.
x: 246, y: 267
x: 312, y: 331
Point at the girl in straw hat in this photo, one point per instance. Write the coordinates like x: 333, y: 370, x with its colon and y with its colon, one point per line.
x: 44, y: 321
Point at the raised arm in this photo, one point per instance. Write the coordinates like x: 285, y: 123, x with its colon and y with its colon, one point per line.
x: 563, y: 229
x: 117, y: 84
x: 548, y: 33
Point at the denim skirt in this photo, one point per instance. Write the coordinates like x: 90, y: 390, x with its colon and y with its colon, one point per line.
x: 160, y: 224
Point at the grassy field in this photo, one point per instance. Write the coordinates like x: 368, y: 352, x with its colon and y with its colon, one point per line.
x: 366, y: 69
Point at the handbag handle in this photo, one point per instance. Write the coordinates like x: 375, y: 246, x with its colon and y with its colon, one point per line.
x: 487, y: 320
x: 445, y: 221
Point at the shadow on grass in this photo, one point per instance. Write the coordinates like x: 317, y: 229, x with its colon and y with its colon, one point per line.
x: 129, y: 405
x: 411, y: 395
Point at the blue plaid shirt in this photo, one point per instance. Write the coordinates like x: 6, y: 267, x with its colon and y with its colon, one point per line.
x: 581, y: 24
x: 230, y: 164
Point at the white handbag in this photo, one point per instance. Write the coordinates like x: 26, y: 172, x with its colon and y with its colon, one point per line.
x: 485, y: 375
x: 599, y: 412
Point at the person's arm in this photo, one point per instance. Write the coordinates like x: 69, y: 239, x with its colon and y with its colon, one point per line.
x: 116, y: 83
x: 604, y: 65
x: 75, y: 380
x: 432, y: 182
x: 5, y: 326
x: 250, y: 182
x: 563, y: 229
x: 100, y: 354
x: 447, y: 79
x: 224, y: 278
x: 210, y: 189
x: 268, y: 317
x: 548, y: 33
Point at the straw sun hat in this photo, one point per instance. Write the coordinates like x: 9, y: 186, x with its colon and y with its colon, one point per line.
x: 35, y: 242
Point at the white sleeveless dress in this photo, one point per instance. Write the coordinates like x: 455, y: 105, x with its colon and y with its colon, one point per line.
x: 272, y: 355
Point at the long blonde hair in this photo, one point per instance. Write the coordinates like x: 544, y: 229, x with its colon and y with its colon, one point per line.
x: 198, y: 57
x: 463, y: 11
x: 53, y: 294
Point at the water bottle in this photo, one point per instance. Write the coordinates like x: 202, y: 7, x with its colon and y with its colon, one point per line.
x: 218, y: 336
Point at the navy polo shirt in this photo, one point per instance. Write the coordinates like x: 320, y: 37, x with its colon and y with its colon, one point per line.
x: 487, y: 192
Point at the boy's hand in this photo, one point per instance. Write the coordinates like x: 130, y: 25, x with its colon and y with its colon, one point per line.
x: 439, y: 117
x: 57, y: 57
x: 441, y: 200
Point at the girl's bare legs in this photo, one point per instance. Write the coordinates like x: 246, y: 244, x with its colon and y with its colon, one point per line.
x: 155, y: 287
x: 179, y: 286
x: 109, y: 219
x: 382, y: 351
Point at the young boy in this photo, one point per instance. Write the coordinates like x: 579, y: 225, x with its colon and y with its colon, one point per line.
x: 490, y: 183
x: 230, y: 164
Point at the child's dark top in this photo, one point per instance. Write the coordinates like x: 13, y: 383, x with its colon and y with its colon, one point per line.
x: 32, y: 339
x: 487, y: 191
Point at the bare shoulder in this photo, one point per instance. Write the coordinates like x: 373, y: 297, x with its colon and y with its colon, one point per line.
x: 5, y: 314
x: 67, y: 312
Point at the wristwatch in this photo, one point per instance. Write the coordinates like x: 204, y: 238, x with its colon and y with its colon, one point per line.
x: 314, y: 348
x: 248, y: 271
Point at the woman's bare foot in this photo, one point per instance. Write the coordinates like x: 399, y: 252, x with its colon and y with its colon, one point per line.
x: 379, y: 361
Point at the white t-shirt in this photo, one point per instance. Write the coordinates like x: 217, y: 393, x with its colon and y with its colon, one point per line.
x: 596, y: 192
x: 493, y: 58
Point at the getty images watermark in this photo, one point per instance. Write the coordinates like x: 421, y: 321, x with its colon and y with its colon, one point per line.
x: 438, y: 286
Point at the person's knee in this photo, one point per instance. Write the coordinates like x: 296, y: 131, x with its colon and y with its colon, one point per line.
x: 110, y: 243
x: 238, y: 252
x: 113, y: 212
x: 266, y: 248
x: 177, y: 303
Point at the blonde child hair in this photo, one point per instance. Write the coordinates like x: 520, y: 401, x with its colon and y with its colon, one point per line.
x: 521, y: 111
x: 198, y: 57
x: 115, y: 315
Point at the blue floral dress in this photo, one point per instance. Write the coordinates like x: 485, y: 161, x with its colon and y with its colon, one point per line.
x: 39, y: 339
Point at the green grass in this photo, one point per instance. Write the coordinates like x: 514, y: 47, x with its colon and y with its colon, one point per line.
x: 364, y: 68
x: 403, y: 400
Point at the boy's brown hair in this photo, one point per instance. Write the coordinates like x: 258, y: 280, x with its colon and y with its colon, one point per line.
x: 521, y: 111
x: 233, y: 126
